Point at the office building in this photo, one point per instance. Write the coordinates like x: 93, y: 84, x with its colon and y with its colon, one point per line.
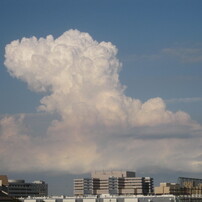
x: 86, y: 186
x: 113, y: 183
x: 185, y: 186
x: 20, y: 188
x: 167, y: 188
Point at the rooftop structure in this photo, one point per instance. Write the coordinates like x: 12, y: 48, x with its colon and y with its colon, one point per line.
x: 106, y: 174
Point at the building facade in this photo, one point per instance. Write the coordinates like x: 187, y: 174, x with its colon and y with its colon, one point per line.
x: 167, y: 188
x: 20, y: 188
x: 113, y: 183
x: 185, y: 186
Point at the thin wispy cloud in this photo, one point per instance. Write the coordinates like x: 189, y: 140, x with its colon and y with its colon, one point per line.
x: 183, y: 54
x: 184, y: 100
x: 142, y: 57
x: 191, y: 55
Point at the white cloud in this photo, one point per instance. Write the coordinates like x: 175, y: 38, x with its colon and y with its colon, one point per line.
x: 98, y: 126
x: 192, y: 55
x: 184, y: 100
x: 183, y: 54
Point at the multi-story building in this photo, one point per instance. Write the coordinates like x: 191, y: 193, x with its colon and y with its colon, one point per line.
x: 167, y: 188
x: 190, y: 185
x: 113, y: 183
x: 20, y: 188
x: 85, y: 186
x: 185, y: 186
x: 137, y: 185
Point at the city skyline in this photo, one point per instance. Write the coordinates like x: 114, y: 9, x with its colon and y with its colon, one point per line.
x: 88, y: 85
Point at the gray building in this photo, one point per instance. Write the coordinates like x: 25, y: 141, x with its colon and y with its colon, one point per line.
x: 20, y: 188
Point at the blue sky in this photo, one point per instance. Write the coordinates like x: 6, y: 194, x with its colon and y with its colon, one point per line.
x: 159, y: 45
x: 137, y: 28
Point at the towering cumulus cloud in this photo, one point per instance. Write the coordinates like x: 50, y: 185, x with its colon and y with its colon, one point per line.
x: 98, y: 126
